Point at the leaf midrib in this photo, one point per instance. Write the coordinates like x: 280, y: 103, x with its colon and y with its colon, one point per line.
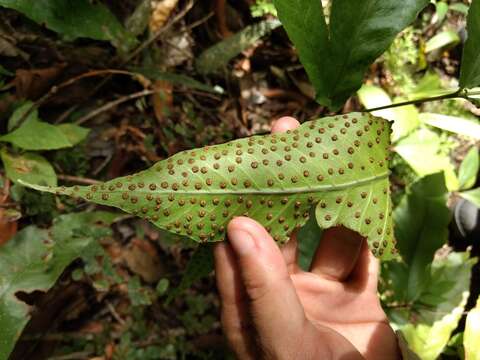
x: 295, y: 190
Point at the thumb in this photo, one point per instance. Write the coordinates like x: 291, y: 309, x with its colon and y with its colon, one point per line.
x: 274, y: 306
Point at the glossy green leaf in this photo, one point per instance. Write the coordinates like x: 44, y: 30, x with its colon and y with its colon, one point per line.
x: 336, y: 57
x: 34, y: 134
x: 306, y: 27
x: 421, y: 219
x: 469, y: 169
x: 470, y: 68
x: 218, y: 56
x: 472, y: 334
x: 441, y: 40
x: 33, y: 260
x: 73, y: 19
x: 422, y: 151
x: 455, y: 124
x: 29, y: 167
x: 339, y: 164
x: 405, y: 118
x: 472, y: 195
x: 431, y: 326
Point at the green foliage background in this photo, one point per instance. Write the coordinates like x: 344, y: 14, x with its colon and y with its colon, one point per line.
x: 375, y: 53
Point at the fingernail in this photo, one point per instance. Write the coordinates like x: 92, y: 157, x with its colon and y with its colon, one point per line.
x: 242, y: 242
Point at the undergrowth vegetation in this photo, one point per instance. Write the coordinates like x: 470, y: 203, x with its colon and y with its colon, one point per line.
x: 129, y: 84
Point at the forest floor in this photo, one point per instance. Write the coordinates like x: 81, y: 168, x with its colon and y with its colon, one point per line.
x: 116, y: 309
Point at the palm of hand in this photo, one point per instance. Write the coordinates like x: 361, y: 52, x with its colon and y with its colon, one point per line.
x: 351, y: 307
x: 271, y: 309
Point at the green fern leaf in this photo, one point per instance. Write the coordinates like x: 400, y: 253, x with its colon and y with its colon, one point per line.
x: 338, y: 164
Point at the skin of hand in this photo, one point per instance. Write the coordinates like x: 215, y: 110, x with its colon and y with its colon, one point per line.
x: 271, y: 309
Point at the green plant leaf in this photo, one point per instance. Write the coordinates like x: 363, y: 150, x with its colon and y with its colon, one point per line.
x: 441, y: 9
x: 176, y: 79
x: 431, y: 326
x: 421, y: 219
x: 309, y: 236
x: 262, y: 8
x: 200, y: 265
x: 339, y: 164
x: 459, y: 7
x: 73, y: 133
x: 469, y: 169
x: 19, y: 113
x: 472, y: 334
x: 473, y: 95
x: 405, y: 118
x: 336, y: 57
x: 91, y: 20
x: 306, y: 27
x: 5, y: 72
x: 427, y: 143
x: 30, y: 168
x: 33, y: 260
x: 441, y: 40
x: 429, y: 85
x: 472, y: 195
x: 470, y: 68
x: 455, y: 124
x: 137, y: 23
x: 217, y: 56
x: 34, y: 134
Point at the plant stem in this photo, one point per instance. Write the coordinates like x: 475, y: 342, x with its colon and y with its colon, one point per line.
x: 460, y: 93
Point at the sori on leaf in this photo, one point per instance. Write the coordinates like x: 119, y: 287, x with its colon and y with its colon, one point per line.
x: 338, y: 164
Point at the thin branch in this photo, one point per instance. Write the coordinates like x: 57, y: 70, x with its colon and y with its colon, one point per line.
x: 458, y: 94
x: 114, y: 103
x: 54, y: 89
x: 200, y: 21
x: 114, y: 313
x: 78, y: 179
x: 140, y: 48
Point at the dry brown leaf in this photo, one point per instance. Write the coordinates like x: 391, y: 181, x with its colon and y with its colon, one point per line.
x: 162, y: 100
x: 220, y: 11
x: 8, y: 226
x: 31, y: 84
x: 142, y: 259
x: 93, y: 327
x: 161, y: 11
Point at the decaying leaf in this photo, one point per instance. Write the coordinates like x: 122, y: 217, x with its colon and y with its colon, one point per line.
x: 161, y: 12
x: 162, y: 100
x: 142, y: 259
x: 338, y: 164
x: 8, y: 223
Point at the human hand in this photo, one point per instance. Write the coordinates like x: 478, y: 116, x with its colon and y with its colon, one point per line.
x: 271, y: 309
